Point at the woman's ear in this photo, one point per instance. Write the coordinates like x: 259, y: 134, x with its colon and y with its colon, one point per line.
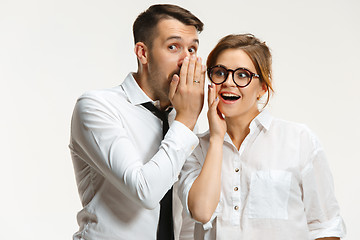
x: 141, y: 52
x: 263, y: 90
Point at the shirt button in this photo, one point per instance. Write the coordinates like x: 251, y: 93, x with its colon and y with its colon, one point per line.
x: 236, y: 188
x: 236, y: 208
x: 236, y: 170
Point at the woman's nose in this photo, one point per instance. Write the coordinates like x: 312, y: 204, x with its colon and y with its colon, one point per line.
x: 229, y: 80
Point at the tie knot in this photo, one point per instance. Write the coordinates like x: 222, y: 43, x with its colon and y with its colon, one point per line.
x: 163, y: 115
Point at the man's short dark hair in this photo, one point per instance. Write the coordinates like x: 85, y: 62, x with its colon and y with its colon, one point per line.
x: 144, y: 28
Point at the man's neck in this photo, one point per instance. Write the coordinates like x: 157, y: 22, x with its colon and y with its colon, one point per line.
x: 139, y: 78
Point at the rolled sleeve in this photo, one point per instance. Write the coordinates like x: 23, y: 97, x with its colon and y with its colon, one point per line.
x: 321, y: 207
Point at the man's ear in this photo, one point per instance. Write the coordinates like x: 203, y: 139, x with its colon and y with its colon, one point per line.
x: 141, y: 52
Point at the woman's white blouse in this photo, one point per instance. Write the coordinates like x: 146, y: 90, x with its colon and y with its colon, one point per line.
x: 278, y: 185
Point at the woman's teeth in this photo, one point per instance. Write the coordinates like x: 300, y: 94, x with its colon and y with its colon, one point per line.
x: 230, y: 97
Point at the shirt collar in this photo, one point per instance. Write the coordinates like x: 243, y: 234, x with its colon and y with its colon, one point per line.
x: 264, y: 119
x: 134, y: 93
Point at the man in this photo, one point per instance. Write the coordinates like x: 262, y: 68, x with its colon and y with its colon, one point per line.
x: 124, y: 165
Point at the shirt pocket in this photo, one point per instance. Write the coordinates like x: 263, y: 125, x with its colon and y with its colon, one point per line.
x: 269, y: 194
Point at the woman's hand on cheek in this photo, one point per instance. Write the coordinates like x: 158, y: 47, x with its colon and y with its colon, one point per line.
x: 217, y: 124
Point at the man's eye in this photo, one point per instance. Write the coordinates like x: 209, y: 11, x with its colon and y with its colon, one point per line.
x: 192, y: 50
x: 173, y: 47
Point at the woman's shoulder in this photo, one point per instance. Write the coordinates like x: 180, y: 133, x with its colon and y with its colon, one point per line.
x: 285, y: 124
x: 293, y: 129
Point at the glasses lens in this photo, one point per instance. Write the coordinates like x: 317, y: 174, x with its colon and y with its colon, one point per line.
x: 242, y: 77
x: 218, y: 75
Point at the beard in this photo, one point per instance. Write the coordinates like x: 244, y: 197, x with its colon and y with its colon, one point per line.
x: 159, y: 82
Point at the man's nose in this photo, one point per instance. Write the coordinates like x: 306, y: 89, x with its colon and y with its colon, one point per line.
x: 184, y: 54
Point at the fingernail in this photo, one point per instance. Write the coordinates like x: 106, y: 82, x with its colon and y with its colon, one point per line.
x: 186, y: 59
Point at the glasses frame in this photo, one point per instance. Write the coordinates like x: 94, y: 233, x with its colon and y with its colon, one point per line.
x: 233, y: 72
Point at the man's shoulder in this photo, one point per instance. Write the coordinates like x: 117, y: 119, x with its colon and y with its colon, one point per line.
x: 110, y: 100
x: 108, y: 95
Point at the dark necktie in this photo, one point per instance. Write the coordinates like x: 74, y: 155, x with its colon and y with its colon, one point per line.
x: 165, y: 229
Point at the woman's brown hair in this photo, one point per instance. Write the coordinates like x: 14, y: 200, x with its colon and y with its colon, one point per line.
x: 257, y: 50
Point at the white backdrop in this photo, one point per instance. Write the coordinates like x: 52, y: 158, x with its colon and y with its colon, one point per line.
x: 52, y: 51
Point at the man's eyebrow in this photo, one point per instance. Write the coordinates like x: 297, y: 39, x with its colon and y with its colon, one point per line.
x: 179, y: 38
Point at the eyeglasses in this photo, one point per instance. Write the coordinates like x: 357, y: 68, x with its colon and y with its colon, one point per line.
x: 241, y: 76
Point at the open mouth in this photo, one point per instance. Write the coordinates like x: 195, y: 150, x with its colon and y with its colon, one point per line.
x: 229, y: 96
x: 177, y: 72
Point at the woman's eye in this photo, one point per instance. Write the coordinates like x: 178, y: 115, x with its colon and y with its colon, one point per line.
x: 219, y: 73
x: 242, y: 75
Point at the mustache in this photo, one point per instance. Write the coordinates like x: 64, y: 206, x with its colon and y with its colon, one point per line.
x: 177, y: 72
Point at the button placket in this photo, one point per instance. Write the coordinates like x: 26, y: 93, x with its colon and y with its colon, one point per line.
x: 236, y: 197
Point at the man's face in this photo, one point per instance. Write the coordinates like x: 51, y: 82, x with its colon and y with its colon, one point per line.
x: 172, y: 43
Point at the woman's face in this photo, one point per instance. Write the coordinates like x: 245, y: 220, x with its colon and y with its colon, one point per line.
x: 236, y: 101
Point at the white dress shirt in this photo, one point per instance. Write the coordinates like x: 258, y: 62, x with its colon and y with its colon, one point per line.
x: 276, y: 186
x: 123, y: 167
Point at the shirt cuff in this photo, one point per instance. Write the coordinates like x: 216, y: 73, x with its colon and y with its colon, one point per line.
x: 179, y: 143
x: 208, y: 225
x: 186, y: 139
x: 332, y: 228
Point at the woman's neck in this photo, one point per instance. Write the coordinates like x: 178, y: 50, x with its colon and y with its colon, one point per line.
x: 238, y: 127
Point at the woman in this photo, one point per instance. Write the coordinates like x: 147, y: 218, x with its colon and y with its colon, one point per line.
x: 253, y: 176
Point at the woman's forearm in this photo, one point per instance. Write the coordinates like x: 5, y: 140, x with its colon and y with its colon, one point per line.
x: 204, y: 194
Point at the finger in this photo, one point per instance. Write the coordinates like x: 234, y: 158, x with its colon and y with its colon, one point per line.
x: 183, y: 71
x: 197, y: 76
x: 221, y: 115
x: 211, y: 95
x: 173, y: 86
x: 202, y: 76
x: 191, y: 70
x: 213, y: 112
x: 215, y: 103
